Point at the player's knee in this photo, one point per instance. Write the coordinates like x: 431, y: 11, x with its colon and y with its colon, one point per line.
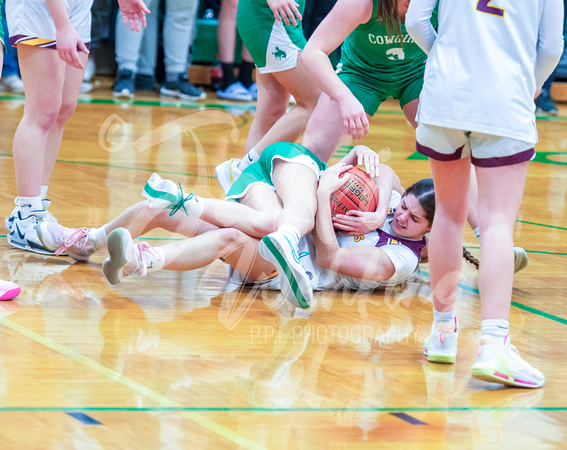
x: 46, y: 118
x: 231, y: 236
x: 66, y: 111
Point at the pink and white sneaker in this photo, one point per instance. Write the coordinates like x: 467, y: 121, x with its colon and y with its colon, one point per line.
x: 8, y: 290
x: 74, y: 242
x: 126, y: 258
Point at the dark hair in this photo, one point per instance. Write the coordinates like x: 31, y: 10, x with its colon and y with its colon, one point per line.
x: 388, y: 14
x: 470, y: 258
x: 423, y: 192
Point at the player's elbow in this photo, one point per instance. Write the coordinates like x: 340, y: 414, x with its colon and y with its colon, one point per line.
x: 412, y: 23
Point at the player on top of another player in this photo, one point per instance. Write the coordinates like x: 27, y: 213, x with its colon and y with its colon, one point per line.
x: 389, y: 255
x: 278, y: 202
x: 379, y: 60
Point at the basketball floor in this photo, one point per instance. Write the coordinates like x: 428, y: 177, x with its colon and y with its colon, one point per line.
x: 170, y: 361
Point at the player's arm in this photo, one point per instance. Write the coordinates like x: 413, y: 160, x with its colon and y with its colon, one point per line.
x: 386, y: 180
x: 366, y: 262
x: 67, y: 38
x: 345, y: 16
x: 133, y: 13
x: 550, y: 40
x: 418, y: 23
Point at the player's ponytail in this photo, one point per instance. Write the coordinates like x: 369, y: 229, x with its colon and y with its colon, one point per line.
x: 470, y: 258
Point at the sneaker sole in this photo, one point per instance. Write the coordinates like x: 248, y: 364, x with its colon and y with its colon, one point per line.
x: 489, y: 375
x: 123, y: 94
x: 225, y: 183
x: 521, y: 259
x: 176, y: 94
x: 34, y: 249
x: 440, y: 358
x: 290, y: 287
x: 118, y: 245
x: 238, y: 99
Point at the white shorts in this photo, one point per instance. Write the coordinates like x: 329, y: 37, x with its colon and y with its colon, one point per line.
x: 485, y: 150
x: 31, y: 24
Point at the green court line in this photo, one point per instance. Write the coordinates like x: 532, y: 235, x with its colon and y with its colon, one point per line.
x: 128, y: 383
x: 161, y: 103
x: 181, y: 104
x: 539, y: 313
x: 523, y: 307
x: 539, y: 252
x: 112, y: 166
x: 279, y: 410
x: 542, y: 225
x: 514, y: 304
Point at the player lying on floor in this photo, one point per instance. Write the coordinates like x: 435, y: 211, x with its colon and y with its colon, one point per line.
x: 278, y: 192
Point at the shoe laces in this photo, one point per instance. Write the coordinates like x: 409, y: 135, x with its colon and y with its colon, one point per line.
x: 76, y: 238
x: 141, y: 251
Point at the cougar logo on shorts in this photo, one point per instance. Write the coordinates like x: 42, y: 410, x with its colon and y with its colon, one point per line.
x: 279, y: 54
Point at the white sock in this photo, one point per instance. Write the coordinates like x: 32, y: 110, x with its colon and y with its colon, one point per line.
x: 28, y: 204
x: 155, y: 261
x: 98, y: 237
x: 195, y: 206
x: 44, y: 192
x: 250, y: 158
x: 292, y: 232
x: 476, y: 232
x: 497, y: 329
x: 448, y: 316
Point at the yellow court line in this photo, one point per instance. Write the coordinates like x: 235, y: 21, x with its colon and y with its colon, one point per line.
x: 130, y: 384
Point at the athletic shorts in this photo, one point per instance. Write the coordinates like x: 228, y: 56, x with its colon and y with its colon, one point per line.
x: 274, y: 46
x: 261, y: 171
x: 371, y: 92
x: 31, y: 24
x: 485, y: 150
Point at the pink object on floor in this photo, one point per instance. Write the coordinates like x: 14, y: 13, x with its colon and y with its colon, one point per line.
x: 8, y: 290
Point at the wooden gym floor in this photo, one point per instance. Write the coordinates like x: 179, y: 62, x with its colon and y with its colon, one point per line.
x: 171, y: 362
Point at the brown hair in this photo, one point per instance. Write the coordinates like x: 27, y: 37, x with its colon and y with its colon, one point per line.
x: 388, y: 14
x: 470, y: 258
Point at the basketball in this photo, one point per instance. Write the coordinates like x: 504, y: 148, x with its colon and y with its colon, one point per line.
x: 359, y: 192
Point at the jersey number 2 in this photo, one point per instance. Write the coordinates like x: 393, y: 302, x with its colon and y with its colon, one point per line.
x: 484, y: 6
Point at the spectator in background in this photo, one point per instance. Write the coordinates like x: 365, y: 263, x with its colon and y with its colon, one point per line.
x: 103, y: 13
x: 10, y: 80
x: 544, y: 102
x: 178, y: 34
x: 244, y: 88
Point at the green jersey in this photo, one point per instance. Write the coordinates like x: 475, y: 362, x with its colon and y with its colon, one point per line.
x: 373, y: 51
